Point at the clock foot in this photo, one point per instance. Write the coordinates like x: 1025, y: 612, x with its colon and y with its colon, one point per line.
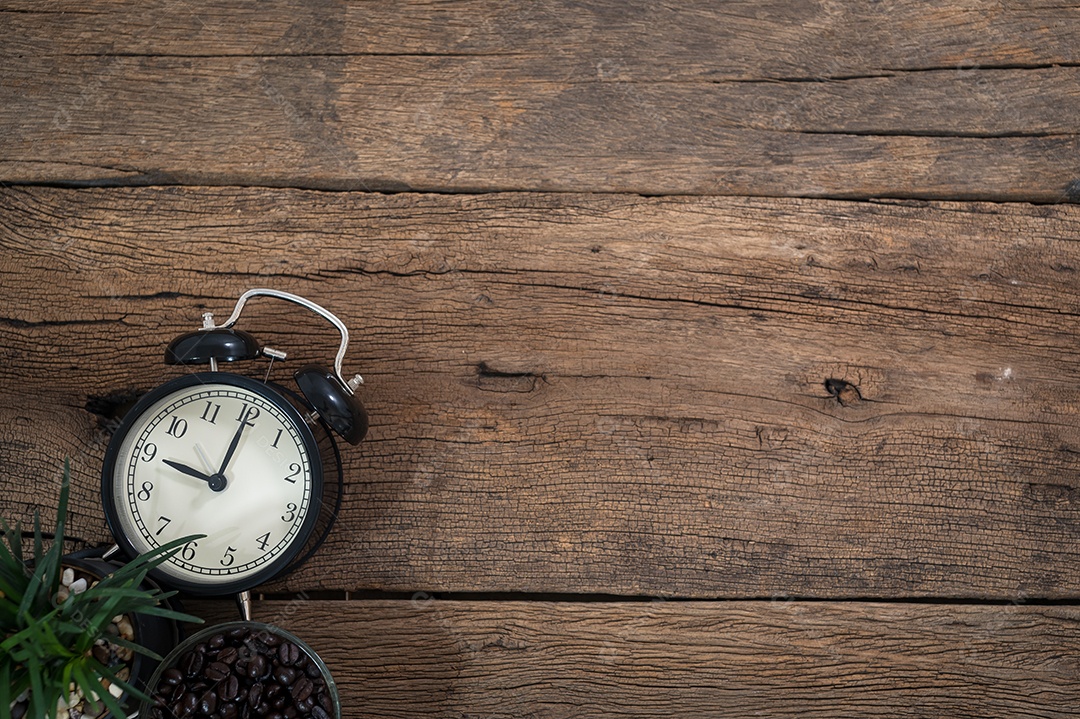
x: 243, y: 603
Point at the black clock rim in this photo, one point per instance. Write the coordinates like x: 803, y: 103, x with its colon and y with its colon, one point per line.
x: 278, y: 564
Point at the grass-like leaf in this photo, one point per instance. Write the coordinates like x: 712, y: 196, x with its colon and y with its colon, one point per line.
x: 45, y: 646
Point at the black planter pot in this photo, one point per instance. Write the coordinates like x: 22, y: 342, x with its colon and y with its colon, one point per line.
x: 158, y: 634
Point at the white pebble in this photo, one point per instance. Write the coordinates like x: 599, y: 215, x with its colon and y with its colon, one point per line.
x: 115, y: 690
x: 78, y: 586
x: 68, y: 577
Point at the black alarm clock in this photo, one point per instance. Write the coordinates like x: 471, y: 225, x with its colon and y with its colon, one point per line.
x: 229, y: 457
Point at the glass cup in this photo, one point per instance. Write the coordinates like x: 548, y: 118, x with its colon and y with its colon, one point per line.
x: 255, y: 629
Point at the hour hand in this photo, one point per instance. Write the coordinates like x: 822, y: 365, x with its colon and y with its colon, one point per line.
x: 190, y: 471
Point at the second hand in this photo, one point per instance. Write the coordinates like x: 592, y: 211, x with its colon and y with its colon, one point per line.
x: 203, y: 458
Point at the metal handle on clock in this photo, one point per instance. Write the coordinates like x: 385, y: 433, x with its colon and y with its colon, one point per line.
x: 208, y: 324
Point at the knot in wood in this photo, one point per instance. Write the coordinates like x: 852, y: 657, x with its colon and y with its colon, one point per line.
x: 843, y: 391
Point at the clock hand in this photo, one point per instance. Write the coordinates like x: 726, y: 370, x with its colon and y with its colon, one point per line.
x: 232, y: 445
x: 191, y: 472
x: 202, y: 456
x: 216, y: 482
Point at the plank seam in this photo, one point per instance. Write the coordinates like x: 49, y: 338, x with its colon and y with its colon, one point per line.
x: 586, y: 598
x: 1069, y: 196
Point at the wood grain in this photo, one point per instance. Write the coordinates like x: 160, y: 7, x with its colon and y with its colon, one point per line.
x: 947, y: 101
x: 699, y: 397
x: 770, y: 659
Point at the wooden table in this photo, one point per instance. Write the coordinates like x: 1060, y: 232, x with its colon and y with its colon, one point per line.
x: 721, y: 357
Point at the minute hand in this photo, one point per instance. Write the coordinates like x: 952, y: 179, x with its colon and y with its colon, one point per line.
x: 232, y: 445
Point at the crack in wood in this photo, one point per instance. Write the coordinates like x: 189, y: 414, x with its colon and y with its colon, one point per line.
x: 29, y: 324
x: 110, y: 408
x: 491, y: 379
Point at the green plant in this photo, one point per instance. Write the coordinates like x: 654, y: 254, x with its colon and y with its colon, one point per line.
x: 47, y: 644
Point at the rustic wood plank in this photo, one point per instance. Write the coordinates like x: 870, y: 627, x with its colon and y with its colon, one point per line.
x: 694, y: 39
x: 699, y: 659
x: 822, y: 100
x: 606, y: 394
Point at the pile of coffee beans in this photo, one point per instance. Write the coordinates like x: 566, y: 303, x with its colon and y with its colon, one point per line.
x: 243, y: 673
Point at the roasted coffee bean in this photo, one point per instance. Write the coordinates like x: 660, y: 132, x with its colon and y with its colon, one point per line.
x: 285, y: 675
x: 216, y: 642
x: 319, y: 713
x: 255, y: 694
x: 324, y: 700
x: 230, y: 689
x: 306, y: 705
x: 201, y: 647
x: 208, y: 705
x: 165, y: 692
x: 187, y: 663
x: 258, y: 667
x: 216, y: 671
x: 262, y: 710
x: 172, y: 676
x: 288, y: 653
x: 237, y: 633
x: 290, y: 712
x: 229, y: 711
x: 312, y: 670
x: 189, y: 702
x: 301, y: 689
x: 227, y: 655
x: 275, y: 715
x: 279, y: 702
x: 271, y: 640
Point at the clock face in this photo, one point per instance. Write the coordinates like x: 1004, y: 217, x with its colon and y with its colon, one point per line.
x: 220, y: 455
